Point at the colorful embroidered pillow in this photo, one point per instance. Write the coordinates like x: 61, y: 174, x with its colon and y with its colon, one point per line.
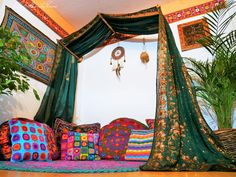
x: 88, y: 128
x: 60, y: 127
x: 139, y: 145
x: 130, y: 123
x: 150, y: 123
x: 114, y: 138
x: 52, y: 144
x: 5, y: 142
x: 79, y: 146
x: 28, y: 141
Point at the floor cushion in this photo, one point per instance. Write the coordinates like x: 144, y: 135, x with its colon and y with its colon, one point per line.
x: 150, y: 123
x: 28, y: 141
x: 60, y: 127
x: 80, y: 146
x: 114, y: 137
x: 88, y: 128
x: 139, y: 145
x: 5, y: 141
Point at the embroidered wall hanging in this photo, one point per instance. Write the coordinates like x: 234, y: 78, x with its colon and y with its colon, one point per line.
x: 40, y: 47
x: 190, y: 32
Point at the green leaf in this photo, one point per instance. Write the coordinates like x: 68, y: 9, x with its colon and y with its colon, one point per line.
x: 36, y: 94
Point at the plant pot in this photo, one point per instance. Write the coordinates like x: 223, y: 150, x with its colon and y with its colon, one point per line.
x: 227, y: 137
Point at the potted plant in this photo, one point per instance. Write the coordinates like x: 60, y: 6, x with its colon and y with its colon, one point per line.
x: 216, y: 79
x: 12, y: 52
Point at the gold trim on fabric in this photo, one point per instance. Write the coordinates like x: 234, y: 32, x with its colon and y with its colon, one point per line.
x: 78, y: 58
x: 204, y: 127
x: 56, y: 62
x: 143, y: 13
x: 106, y: 23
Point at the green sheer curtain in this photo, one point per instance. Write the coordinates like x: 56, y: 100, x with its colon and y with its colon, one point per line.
x: 59, y: 98
x: 182, y: 139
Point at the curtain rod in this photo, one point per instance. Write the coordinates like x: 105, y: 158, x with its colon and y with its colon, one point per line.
x: 100, y: 15
x: 78, y: 59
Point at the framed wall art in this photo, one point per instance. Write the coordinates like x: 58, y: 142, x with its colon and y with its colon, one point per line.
x: 190, y: 32
x: 41, y: 49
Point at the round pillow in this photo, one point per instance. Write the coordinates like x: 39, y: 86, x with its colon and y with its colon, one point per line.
x: 114, y: 137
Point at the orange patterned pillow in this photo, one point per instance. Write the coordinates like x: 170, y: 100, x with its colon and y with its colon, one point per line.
x: 5, y: 141
x: 150, y: 123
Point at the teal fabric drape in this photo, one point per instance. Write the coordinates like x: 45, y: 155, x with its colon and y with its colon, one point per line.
x: 59, y: 98
x: 182, y: 138
x: 106, y: 26
x: 91, y: 39
x: 143, y: 25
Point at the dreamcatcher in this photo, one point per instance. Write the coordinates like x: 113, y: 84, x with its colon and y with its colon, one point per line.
x: 144, y: 57
x: 117, y: 59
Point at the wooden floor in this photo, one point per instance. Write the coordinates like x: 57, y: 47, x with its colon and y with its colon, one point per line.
x: 4, y: 173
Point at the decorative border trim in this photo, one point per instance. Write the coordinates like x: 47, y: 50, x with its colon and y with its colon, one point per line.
x: 38, y: 12
x: 171, y: 17
x: 192, y: 11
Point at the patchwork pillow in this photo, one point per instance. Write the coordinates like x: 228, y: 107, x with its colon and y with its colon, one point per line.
x: 88, y: 128
x: 79, y: 146
x: 28, y: 141
x: 139, y: 145
x: 5, y: 142
x: 60, y: 127
x: 114, y: 138
x: 150, y: 123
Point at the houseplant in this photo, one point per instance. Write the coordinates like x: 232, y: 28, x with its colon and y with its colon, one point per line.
x: 12, y: 52
x: 216, y: 79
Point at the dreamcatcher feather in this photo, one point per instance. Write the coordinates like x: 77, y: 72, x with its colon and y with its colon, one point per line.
x: 117, y: 59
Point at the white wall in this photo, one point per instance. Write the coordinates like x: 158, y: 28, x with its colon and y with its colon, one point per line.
x: 103, y: 97
x: 23, y: 104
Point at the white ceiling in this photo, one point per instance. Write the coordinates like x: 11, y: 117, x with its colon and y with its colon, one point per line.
x: 79, y: 12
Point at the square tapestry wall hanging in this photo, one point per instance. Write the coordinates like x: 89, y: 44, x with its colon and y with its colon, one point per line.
x: 41, y: 49
x: 190, y: 32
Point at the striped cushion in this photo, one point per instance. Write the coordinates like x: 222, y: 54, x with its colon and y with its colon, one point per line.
x: 140, y: 144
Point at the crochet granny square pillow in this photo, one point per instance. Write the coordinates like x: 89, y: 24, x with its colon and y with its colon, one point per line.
x: 79, y: 146
x: 28, y: 141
